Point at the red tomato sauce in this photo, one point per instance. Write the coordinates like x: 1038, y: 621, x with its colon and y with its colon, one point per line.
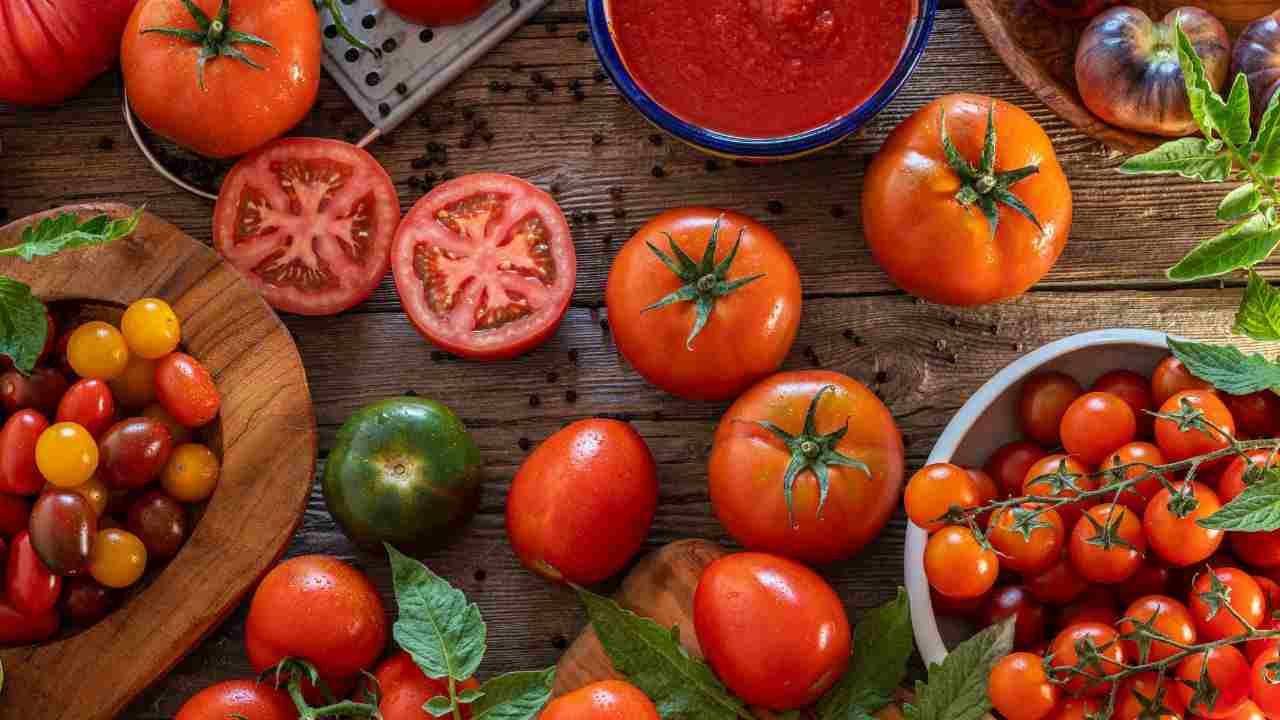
x: 761, y: 68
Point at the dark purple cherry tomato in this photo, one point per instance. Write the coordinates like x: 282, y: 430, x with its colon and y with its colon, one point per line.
x: 63, y: 526
x: 29, y: 585
x: 134, y: 452
x: 15, y: 511
x: 85, y: 601
x: 89, y: 403
x: 40, y: 391
x: 1257, y: 54
x: 18, y: 436
x: 19, y: 629
x: 161, y: 523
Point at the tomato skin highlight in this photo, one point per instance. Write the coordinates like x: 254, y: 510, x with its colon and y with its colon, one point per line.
x: 606, y: 700
x: 19, y: 474
x: 405, y: 689
x: 89, y: 404
x: 257, y: 700
x: 1146, y: 484
x: 186, y: 390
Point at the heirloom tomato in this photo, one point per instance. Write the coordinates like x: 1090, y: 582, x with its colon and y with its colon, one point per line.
x: 134, y: 452
x: 703, y: 303
x: 252, y: 699
x: 806, y: 464
x: 1256, y: 54
x: 62, y: 527
x: 405, y: 689
x: 438, y: 12
x: 1135, y: 458
x: 160, y: 523
x: 39, y: 391
x: 604, y: 700
x: 51, y: 49
x: 118, y: 558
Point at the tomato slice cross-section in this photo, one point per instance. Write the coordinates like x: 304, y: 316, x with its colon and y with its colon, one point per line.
x: 485, y: 266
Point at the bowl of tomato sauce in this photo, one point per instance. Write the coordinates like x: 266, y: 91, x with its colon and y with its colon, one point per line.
x: 760, y: 79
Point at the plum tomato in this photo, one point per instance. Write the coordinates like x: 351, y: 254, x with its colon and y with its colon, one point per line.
x: 1097, y: 424
x: 1020, y: 689
x: 958, y: 565
x: 308, y: 222
x: 1172, y: 377
x: 319, y: 609
x: 19, y: 474
x: 403, y: 471
x: 1059, y: 585
x: 1164, y: 615
x: 1213, y: 620
x: 63, y: 525
x: 160, y: 523
x: 254, y: 699
x: 1008, y: 466
x: 118, y: 558
x: 186, y: 390
x: 1065, y: 653
x: 134, y: 453
x: 89, y: 404
x: 151, y: 328
x: 191, y: 474
x: 1136, y: 458
x: 66, y: 455
x: 85, y: 602
x: 17, y: 628
x: 582, y: 503
x: 1148, y: 695
x: 1017, y: 602
x: 936, y: 490
x: 1257, y: 415
x: 1228, y: 672
x: 1264, y: 682
x: 772, y: 629
x: 15, y: 512
x: 605, y: 700
x: 405, y: 689
x: 135, y: 388
x: 1135, y: 391
x: 704, y: 329
x: 485, y: 266
x: 39, y: 391
x: 1061, y: 476
x: 438, y: 12
x: 822, y: 435
x: 1029, y: 539
x: 97, y: 351
x: 1042, y: 404
x: 30, y: 587
x: 1171, y: 523
x: 1244, y: 470
x: 1107, y: 544
x: 1209, y: 425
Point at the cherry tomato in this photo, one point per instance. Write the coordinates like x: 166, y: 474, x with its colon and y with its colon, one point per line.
x: 1259, y: 550
x: 1097, y: 424
x: 1254, y: 648
x: 14, y: 513
x: 1009, y: 465
x: 191, y: 474
x: 1213, y: 620
x: 1138, y: 455
x: 118, y: 558
x: 956, y: 607
x: 1097, y: 606
x: 957, y: 565
x: 97, y: 351
x: 1181, y: 541
x: 1017, y: 601
x: 1044, y: 401
x: 1228, y: 672
x: 606, y: 700
x: 89, y: 404
x: 85, y: 601
x: 986, y: 485
x: 1264, y: 682
x: 1058, y: 585
x: 405, y: 689
x: 30, y: 587
x: 438, y: 12
x: 66, y: 455
x: 1242, y: 471
x: 63, y: 525
x: 1061, y: 476
x: 134, y: 453
x: 256, y: 700
x: 17, y: 628
x: 1020, y: 689
x: 1166, y: 616
x: 1257, y: 415
x: 186, y: 390
x: 160, y: 523
x: 151, y: 328
x: 1076, y: 709
x: 1148, y: 696
x: 1063, y: 651
x: 95, y: 492
x: 19, y: 474
x: 1135, y: 391
x: 1172, y: 377
x: 799, y: 642
x: 1027, y: 541
x: 136, y: 387
x: 937, y: 489
x: 1249, y: 711
x: 1270, y: 591
x: 1178, y: 444
x: 179, y: 433
x: 40, y: 391
x: 1107, y: 544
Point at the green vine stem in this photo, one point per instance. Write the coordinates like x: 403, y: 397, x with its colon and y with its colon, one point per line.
x: 293, y: 672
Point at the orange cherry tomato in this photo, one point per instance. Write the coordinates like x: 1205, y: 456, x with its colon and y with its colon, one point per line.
x: 1107, y: 544
x: 1208, y: 435
x: 957, y: 565
x: 936, y: 490
x: 1182, y: 541
x: 1020, y: 689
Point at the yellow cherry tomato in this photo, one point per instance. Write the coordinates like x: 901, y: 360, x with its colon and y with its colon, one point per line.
x: 180, y: 434
x: 135, y: 388
x: 192, y: 473
x: 151, y: 328
x: 66, y: 455
x: 118, y: 558
x: 97, y: 351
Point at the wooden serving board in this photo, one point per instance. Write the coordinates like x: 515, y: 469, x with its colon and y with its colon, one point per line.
x: 268, y: 449
x: 1040, y: 50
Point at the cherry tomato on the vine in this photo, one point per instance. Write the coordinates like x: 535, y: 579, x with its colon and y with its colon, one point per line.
x: 1061, y: 476
x: 1142, y: 694
x: 1213, y: 620
x: 1264, y: 682
x: 405, y: 689
x: 1244, y: 470
x: 1166, y: 616
x: 1257, y: 415
x: 1107, y: 544
x: 1020, y: 688
x: 1228, y: 673
x: 937, y: 489
x: 1065, y: 655
x: 1136, y: 458
x: 1028, y: 539
x: 1182, y: 541
x: 957, y: 565
x: 1210, y: 425
x: 1097, y: 424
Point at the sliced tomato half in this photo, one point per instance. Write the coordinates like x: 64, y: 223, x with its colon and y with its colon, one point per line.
x: 309, y: 222
x: 485, y: 266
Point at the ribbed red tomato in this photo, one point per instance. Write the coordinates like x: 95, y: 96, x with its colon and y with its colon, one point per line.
x: 51, y: 49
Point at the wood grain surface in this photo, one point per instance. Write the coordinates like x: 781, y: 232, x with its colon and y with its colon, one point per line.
x: 922, y: 359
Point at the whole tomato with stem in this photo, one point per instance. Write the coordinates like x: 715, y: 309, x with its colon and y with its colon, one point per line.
x: 1213, y: 590
x: 1061, y: 476
x: 1043, y: 403
x: 1008, y: 466
x: 1149, y: 696
x: 405, y: 689
x: 1264, y: 682
x: 958, y: 565
x: 605, y: 700
x: 709, y: 328
x: 1107, y: 544
x: 220, y: 78
x: 1065, y: 651
x: 1219, y: 691
x: 49, y: 51
x: 1020, y: 689
x: 1097, y: 424
x: 936, y: 490
x: 1193, y: 423
x: 806, y: 464
x: 772, y: 629
x: 1172, y: 524
x: 1134, y: 462
x: 970, y: 184
x: 1166, y: 616
x: 1244, y: 470
x: 254, y: 699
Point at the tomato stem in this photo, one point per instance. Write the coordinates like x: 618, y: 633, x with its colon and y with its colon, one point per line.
x: 981, y: 185
x: 299, y: 671
x: 215, y: 38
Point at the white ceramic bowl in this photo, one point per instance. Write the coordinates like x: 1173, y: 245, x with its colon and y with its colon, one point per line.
x: 989, y: 420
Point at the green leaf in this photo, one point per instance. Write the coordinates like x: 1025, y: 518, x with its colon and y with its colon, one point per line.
x: 1243, y: 246
x: 1257, y: 509
x: 64, y: 232
x: 1228, y: 369
x: 653, y: 659
x: 882, y: 646
x: 438, y: 706
x: 1232, y: 117
x: 957, y: 688
x: 437, y: 626
x: 1199, y: 91
x: 514, y: 696
x: 1259, y: 313
x: 1267, y: 142
x: 1189, y: 157
x: 1239, y: 202
x: 24, y: 324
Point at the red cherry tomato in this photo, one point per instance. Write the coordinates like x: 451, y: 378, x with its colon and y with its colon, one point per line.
x: 937, y: 489
x: 957, y: 565
x: 1097, y: 424
x: 90, y: 404
x: 256, y: 700
x: 40, y: 391
x: 1045, y: 399
x: 1254, y: 648
x: 1182, y: 541
x: 1063, y: 651
x: 1242, y: 471
x: 1178, y: 444
x: 1228, y: 672
x: 1264, y: 682
x: 18, y: 472
x: 1027, y: 541
x: 134, y: 452
x: 19, y: 629
x: 1107, y: 544
x: 1168, y: 617
x: 438, y: 12
x: 405, y: 689
x: 1172, y: 377
x: 1058, y: 585
x: 1148, y: 580
x: 1017, y: 601
x: 1135, y: 390
x: 186, y: 390
x: 14, y: 513
x: 1259, y: 550
x: 1213, y: 620
x: 1061, y: 476
x: 1136, y: 457
x: 1020, y: 689
x: 956, y: 607
x: 1009, y: 465
x: 29, y: 586
x: 1142, y: 693
x: 1257, y: 415
x: 1097, y: 606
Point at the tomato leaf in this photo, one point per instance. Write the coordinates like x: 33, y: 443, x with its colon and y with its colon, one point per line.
x: 653, y: 659
x: 957, y: 688
x: 1239, y: 202
x: 514, y: 696
x: 437, y: 626
x: 24, y: 326
x: 1226, y: 368
x: 1243, y: 246
x: 1191, y: 158
x: 1259, y: 313
x: 1256, y: 509
x: 1267, y: 142
x: 1232, y: 117
x: 883, y: 645
x: 65, y: 232
x: 1199, y: 89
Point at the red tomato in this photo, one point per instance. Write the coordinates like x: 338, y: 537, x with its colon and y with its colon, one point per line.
x: 1096, y: 425
x: 14, y: 513
x: 1264, y: 682
x: 438, y: 12
x: 1172, y: 377
x: 1064, y: 654
x: 257, y: 700
x: 90, y: 404
x: 1167, y: 617
x: 40, y: 391
x: 18, y: 472
x: 1242, y: 471
x: 606, y: 700
x: 29, y: 586
x: 1181, y: 541
x: 749, y: 463
x: 1028, y: 541
x: 1254, y: 648
x: 485, y: 266
x: 771, y: 629
x: 582, y: 503
x: 51, y: 49
x: 749, y: 330
x: 1229, y: 674
x: 405, y: 689
x: 1061, y: 476
x: 1139, y: 455
x: 320, y: 609
x: 1257, y: 415
x: 1270, y: 590
x: 1145, y: 694
x: 1178, y: 444
x: 1107, y: 544
x: 1213, y: 620
x: 186, y: 390
x: 1058, y: 585
x: 308, y: 222
x: 134, y: 452
x: 937, y: 489
x: 1098, y: 606
x: 1076, y: 709
x: 1045, y: 399
x: 1135, y: 390
x: 1020, y: 689
x: 957, y: 565
x: 1148, y: 580
x: 1259, y: 550
x: 1009, y: 465
x: 19, y: 629
x: 1017, y: 601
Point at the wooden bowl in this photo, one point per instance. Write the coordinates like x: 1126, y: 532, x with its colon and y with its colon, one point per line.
x: 268, y: 464
x: 1040, y: 50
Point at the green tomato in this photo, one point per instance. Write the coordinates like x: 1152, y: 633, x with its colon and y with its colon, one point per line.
x: 404, y: 471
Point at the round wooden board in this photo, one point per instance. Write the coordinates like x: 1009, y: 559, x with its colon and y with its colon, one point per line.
x: 268, y: 438
x: 1040, y: 50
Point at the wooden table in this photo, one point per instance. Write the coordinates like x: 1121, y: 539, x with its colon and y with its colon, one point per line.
x: 923, y: 360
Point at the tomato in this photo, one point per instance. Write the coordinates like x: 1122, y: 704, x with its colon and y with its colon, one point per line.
x: 118, y: 558
x: 606, y: 700
x: 134, y: 453
x: 485, y: 266
x: 403, y: 471
x: 405, y: 689
x: 66, y: 455
x: 50, y: 51
x: 151, y: 328
x: 1264, y: 683
x: 85, y: 601
x: 1249, y: 711
x: 1009, y: 465
x: 1148, y: 696
x: 1064, y: 653
x: 97, y: 351
x: 749, y: 464
x: 1107, y: 544
x: 1058, y: 585
x: 17, y: 628
x: 63, y: 525
x: 1020, y: 689
x: 192, y: 473
x: 986, y: 485
x: 160, y: 523
x: 1148, y: 580
x: 1181, y: 541
x: 186, y: 390
x: 308, y: 222
x: 14, y: 514
x: 40, y: 391
x: 957, y: 607
x: 1028, y: 541
x: 1228, y: 672
x: 1017, y: 601
x: 1213, y: 620
x: 1098, y: 606
x: 957, y: 565
x: 1254, y: 648
x: 1141, y: 456
x: 89, y: 404
x: 438, y: 12
x: 1209, y: 432
x: 181, y: 434
x: 1270, y: 590
x: 1258, y: 549
x: 230, y: 104
x: 937, y: 489
x: 582, y: 503
x: 1257, y: 415
x: 1097, y: 424
x: 749, y: 327
x: 257, y: 700
x: 1135, y: 391
x: 135, y: 388
x: 30, y: 587
x: 1043, y: 403
x: 319, y: 609
x: 772, y: 629
x: 1243, y: 471
x: 19, y: 474
x: 1061, y: 476
x: 1166, y: 616
x: 1076, y: 709
x: 1172, y: 377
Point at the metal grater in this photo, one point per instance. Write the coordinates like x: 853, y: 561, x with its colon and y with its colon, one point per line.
x: 416, y: 62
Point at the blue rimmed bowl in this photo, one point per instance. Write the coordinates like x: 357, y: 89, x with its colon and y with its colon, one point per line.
x: 759, y: 149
